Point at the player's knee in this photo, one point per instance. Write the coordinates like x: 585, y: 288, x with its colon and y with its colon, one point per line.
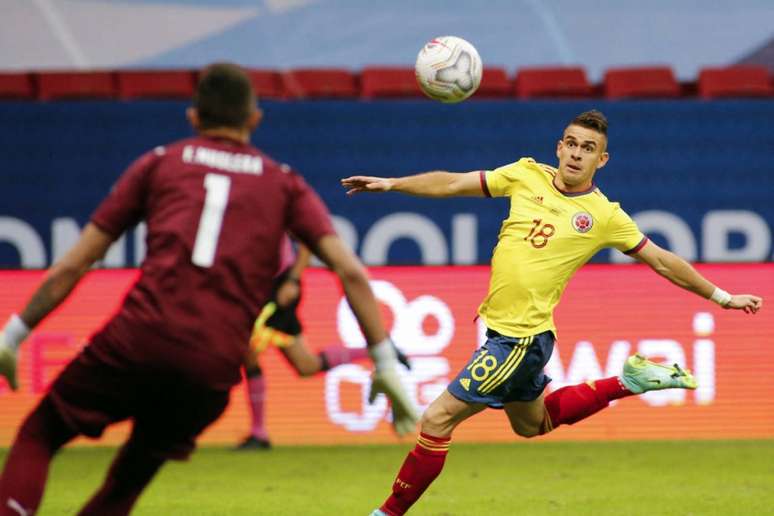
x: 436, y: 420
x: 526, y: 429
x: 306, y: 370
x: 306, y: 366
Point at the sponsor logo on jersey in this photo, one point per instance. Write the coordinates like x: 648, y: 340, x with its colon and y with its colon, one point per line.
x: 582, y: 222
x: 465, y: 382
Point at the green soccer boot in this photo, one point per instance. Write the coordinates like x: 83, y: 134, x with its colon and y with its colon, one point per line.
x: 641, y: 375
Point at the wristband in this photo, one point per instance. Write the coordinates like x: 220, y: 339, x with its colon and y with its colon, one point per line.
x: 383, y: 354
x: 720, y: 296
x: 15, y: 331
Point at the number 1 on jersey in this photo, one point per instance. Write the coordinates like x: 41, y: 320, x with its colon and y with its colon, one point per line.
x: 215, y: 202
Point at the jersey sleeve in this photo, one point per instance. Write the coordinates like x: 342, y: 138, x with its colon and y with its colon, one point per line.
x: 623, y: 233
x: 501, y: 181
x: 125, y: 204
x: 308, y: 218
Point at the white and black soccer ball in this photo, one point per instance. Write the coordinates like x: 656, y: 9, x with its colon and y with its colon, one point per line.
x: 448, y: 69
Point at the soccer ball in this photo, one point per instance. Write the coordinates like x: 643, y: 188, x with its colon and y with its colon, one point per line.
x: 448, y: 69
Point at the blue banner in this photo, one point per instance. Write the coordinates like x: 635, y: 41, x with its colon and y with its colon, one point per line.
x: 697, y: 176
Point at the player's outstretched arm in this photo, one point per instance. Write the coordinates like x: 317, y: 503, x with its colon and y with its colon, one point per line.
x: 57, y: 284
x: 351, y: 272
x: 429, y: 184
x: 682, y: 274
x: 66, y: 273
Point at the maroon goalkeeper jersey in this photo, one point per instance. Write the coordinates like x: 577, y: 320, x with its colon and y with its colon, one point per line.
x: 216, y: 212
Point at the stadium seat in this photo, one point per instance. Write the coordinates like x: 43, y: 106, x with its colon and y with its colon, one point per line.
x: 735, y: 81
x: 267, y: 83
x: 134, y: 84
x: 389, y: 81
x: 16, y: 86
x: 75, y: 85
x: 641, y: 82
x: 321, y: 83
x: 494, y: 83
x: 567, y: 81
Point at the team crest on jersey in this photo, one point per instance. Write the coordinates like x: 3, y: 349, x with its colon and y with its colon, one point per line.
x: 582, y: 222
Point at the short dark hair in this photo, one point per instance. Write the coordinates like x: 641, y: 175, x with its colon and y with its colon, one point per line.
x: 224, y: 96
x: 594, y: 120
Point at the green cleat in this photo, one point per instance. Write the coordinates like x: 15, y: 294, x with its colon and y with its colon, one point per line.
x: 641, y: 375
x: 8, y: 366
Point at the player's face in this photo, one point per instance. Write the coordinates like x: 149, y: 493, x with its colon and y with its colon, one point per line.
x: 581, y: 151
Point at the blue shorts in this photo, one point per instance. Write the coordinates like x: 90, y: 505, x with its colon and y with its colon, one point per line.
x: 505, y: 369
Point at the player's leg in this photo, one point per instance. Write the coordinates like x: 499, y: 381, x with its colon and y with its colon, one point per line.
x: 574, y: 403
x: 484, y: 381
x: 168, y: 417
x: 24, y: 476
x: 131, y: 471
x: 255, y: 383
x: 425, y: 462
x: 307, y: 363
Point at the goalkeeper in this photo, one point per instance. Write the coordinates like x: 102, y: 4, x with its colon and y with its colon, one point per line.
x: 278, y: 325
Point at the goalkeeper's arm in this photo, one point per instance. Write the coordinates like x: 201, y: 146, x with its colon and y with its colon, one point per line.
x: 361, y: 299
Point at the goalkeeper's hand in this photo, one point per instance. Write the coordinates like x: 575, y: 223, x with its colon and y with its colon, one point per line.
x: 404, y: 415
x: 12, y: 335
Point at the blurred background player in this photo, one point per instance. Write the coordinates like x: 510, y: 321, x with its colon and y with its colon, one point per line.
x: 558, y: 220
x: 216, y: 210
x: 278, y: 325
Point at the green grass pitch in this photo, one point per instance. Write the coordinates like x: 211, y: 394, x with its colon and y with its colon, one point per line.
x: 525, y: 478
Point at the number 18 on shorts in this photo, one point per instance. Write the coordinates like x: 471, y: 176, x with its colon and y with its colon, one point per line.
x: 505, y: 369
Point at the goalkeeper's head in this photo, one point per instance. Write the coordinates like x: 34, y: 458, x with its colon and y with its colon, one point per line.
x: 224, y: 101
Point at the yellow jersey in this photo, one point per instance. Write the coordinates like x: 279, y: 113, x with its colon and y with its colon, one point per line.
x: 547, y: 236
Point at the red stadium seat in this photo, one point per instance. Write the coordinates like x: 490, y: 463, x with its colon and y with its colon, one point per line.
x: 74, y: 85
x: 650, y: 81
x: 134, y: 84
x: 494, y: 83
x: 321, y: 83
x: 735, y: 81
x: 389, y: 81
x: 562, y: 81
x: 267, y: 83
x: 16, y: 86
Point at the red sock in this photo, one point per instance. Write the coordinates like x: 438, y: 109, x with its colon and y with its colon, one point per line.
x: 336, y: 355
x: 256, y: 394
x: 41, y: 435
x: 422, y: 465
x: 570, y: 404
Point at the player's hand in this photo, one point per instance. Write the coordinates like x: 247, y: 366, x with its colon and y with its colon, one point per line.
x: 404, y: 415
x: 749, y: 303
x: 8, y: 363
x: 358, y: 184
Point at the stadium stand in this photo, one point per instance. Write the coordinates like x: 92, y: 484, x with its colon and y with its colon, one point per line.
x: 494, y: 83
x: 267, y: 83
x: 321, y: 83
x: 552, y: 82
x: 380, y: 81
x: 641, y: 82
x: 72, y: 85
x: 16, y: 86
x: 735, y: 81
x: 134, y: 84
x: 740, y: 81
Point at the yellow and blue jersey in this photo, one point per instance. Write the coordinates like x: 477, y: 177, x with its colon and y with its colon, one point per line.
x: 547, y: 236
